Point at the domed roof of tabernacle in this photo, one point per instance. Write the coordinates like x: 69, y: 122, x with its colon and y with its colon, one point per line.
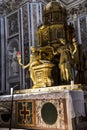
x: 53, y: 5
x: 54, y: 12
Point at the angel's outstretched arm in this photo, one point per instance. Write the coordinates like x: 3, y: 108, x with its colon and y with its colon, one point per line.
x: 20, y: 63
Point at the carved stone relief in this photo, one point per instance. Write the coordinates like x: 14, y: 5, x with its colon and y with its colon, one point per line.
x: 12, y: 57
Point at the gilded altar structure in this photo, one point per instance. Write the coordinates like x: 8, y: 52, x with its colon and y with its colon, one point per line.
x: 55, y: 58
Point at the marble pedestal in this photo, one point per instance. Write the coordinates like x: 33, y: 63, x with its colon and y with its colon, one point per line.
x: 43, y: 109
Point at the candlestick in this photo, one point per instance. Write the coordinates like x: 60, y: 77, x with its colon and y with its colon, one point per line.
x: 11, y: 91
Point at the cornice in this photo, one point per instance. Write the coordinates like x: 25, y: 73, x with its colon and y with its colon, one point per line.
x: 8, y: 6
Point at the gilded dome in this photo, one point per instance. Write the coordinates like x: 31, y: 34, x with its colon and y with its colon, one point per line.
x: 54, y: 12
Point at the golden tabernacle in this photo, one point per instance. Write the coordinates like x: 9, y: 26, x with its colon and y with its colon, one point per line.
x: 58, y: 46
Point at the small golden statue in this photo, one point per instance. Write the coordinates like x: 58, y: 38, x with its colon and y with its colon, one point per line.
x: 40, y: 70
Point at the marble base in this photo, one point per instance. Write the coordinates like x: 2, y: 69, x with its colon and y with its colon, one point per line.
x: 43, y: 108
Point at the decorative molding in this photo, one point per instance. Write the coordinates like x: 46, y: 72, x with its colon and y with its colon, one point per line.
x: 8, y: 6
x: 77, y: 10
x: 12, y: 27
